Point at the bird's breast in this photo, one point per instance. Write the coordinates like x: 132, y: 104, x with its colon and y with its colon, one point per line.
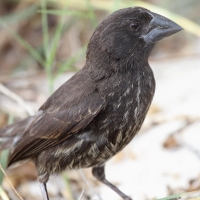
x: 127, y: 103
x: 127, y: 106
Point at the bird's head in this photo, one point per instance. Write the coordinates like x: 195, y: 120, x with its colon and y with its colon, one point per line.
x: 130, y: 29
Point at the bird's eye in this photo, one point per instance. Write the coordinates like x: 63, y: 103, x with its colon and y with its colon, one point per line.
x: 134, y: 25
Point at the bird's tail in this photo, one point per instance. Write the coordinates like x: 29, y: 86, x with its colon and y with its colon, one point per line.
x: 11, y: 134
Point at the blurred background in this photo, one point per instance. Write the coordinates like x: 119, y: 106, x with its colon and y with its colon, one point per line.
x: 43, y: 43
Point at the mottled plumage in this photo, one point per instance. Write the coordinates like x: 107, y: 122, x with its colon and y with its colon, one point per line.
x: 98, y: 111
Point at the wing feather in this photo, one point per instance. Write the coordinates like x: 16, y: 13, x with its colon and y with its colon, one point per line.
x: 71, y: 108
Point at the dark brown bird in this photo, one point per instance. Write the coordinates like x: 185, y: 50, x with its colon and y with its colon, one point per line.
x: 96, y: 113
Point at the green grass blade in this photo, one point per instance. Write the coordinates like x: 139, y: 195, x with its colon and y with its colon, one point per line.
x: 14, y: 18
x: 117, y: 4
x: 52, y: 53
x: 3, y: 160
x: 55, y: 41
x: 91, y: 13
x: 171, y: 197
x: 4, y: 154
x: 25, y: 44
x: 45, y: 29
x: 67, y: 12
x: 70, y: 61
x: 187, y: 195
x: 68, y: 186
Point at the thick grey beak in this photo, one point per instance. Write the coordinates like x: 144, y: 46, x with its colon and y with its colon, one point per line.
x: 159, y: 28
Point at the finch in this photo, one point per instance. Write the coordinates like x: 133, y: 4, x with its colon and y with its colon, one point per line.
x: 97, y: 112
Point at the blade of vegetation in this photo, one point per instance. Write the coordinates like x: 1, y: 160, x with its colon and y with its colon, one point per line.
x: 3, y: 162
x: 56, y: 39
x: 3, y: 194
x: 66, y: 12
x: 20, y: 16
x: 53, y: 51
x: 45, y: 30
x: 16, y: 98
x: 172, y: 197
x: 91, y: 13
x: 24, y: 43
x: 68, y: 186
x: 17, y: 18
x: 117, y: 4
x: 187, y: 195
x: 70, y: 61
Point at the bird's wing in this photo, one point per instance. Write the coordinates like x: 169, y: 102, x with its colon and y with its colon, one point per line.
x: 11, y: 134
x: 71, y: 108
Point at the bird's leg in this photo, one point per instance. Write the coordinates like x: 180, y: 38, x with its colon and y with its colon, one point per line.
x: 99, y: 174
x: 43, y: 188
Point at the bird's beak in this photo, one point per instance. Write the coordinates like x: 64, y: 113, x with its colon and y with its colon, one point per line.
x: 159, y: 28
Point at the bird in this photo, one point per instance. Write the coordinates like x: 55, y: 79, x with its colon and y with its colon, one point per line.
x: 99, y: 110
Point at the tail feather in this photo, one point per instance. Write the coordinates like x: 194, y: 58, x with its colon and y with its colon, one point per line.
x: 11, y: 134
